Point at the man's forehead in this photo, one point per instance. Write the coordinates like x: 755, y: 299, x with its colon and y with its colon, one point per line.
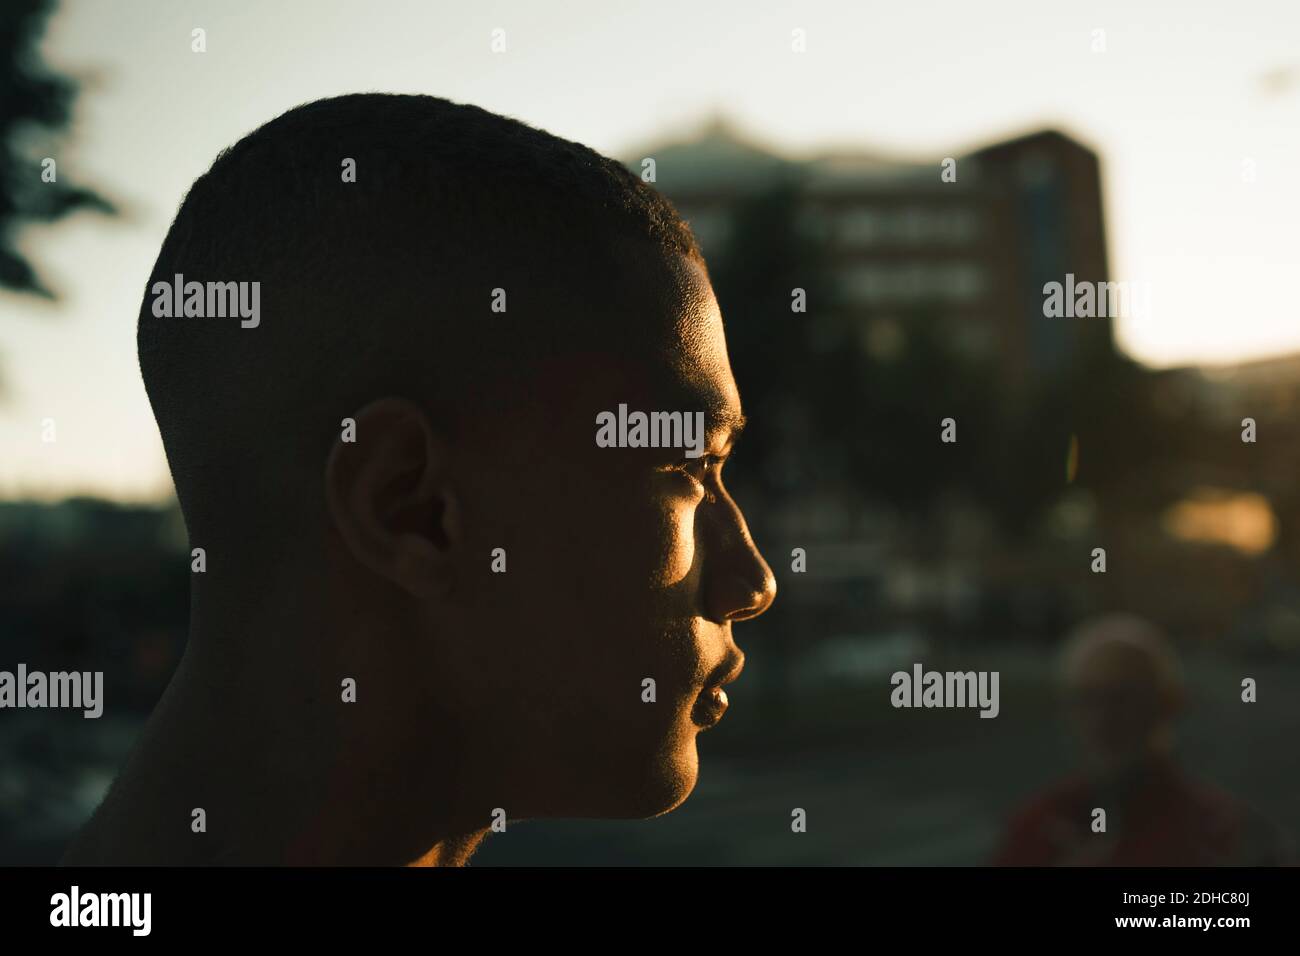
x: 694, y: 372
x: 657, y: 344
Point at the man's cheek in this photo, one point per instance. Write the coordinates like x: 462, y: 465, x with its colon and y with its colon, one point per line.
x: 675, y: 532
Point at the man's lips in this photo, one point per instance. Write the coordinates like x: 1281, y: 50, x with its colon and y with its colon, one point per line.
x: 709, y: 707
x: 712, y: 702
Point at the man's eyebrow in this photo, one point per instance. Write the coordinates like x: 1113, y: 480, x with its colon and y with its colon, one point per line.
x: 719, y: 414
x: 726, y: 420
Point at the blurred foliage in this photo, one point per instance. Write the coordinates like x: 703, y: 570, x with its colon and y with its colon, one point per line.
x: 35, y: 107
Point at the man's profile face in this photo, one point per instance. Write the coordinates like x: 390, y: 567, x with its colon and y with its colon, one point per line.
x: 623, y: 566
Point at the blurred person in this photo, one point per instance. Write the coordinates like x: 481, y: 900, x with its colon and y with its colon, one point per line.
x: 398, y: 487
x: 1125, y: 689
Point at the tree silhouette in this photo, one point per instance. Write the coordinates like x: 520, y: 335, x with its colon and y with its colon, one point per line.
x: 35, y: 107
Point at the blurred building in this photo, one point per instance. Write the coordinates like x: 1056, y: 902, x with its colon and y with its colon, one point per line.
x: 903, y: 245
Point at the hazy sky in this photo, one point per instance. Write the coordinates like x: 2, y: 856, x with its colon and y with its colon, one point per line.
x: 1184, y: 94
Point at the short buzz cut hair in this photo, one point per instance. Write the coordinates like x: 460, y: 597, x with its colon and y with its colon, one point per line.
x: 378, y: 283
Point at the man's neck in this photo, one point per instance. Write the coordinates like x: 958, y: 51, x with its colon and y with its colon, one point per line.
x: 228, y: 772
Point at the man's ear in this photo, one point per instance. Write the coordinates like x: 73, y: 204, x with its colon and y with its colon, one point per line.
x: 390, y: 497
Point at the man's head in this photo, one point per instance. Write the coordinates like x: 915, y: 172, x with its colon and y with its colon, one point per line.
x: 402, y: 450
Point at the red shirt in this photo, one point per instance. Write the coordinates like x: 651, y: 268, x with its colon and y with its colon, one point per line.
x: 1167, y: 819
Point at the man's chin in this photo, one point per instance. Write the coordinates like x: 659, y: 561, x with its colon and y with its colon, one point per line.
x: 657, y: 788
x: 662, y: 799
x: 623, y: 779
x: 673, y: 780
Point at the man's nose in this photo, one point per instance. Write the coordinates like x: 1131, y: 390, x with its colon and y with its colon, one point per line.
x: 739, y: 584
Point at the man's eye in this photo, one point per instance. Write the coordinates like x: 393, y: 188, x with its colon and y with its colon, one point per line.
x: 698, y: 468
